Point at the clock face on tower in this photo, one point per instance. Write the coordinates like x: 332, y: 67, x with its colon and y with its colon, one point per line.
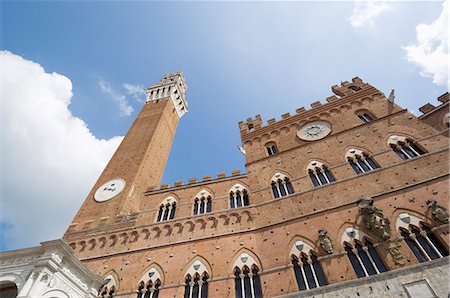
x: 314, y: 130
x: 109, y: 190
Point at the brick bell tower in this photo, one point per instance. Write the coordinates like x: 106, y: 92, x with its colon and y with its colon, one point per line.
x: 139, y: 161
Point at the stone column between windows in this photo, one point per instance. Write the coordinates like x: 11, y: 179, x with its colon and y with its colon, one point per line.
x: 366, y: 250
x: 356, y: 253
x: 414, y: 238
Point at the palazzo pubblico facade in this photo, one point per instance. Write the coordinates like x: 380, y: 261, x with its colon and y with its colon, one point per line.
x: 347, y: 198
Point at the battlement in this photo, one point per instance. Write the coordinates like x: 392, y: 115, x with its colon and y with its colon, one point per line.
x: 345, y: 89
x: 195, y: 181
x: 425, y: 109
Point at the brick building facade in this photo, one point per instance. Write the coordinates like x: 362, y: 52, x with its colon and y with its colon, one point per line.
x: 333, y: 196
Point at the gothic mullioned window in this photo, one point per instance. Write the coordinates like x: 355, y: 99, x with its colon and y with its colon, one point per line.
x: 281, y: 186
x: 247, y: 283
x: 150, y: 284
x: 319, y: 173
x: 420, y: 239
x: 360, y: 161
x: 167, y: 209
x: 238, y: 196
x: 109, y: 289
x: 308, y: 271
x: 362, y: 255
x: 196, y: 281
x: 404, y: 147
x: 202, y: 202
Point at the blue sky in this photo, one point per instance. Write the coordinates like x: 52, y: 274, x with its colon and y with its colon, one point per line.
x: 239, y: 59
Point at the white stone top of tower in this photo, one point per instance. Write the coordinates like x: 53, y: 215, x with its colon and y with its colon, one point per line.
x: 172, y: 85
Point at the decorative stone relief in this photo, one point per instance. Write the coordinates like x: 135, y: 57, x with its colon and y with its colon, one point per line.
x: 380, y: 226
x: 438, y: 212
x: 374, y: 219
x: 325, y: 241
x: 393, y: 247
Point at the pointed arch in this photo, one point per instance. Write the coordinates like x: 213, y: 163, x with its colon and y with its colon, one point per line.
x: 424, y: 244
x: 111, y: 284
x: 167, y: 208
x: 147, y: 274
x: 150, y: 282
x: 238, y: 196
x: 307, y: 269
x: 203, y: 202
x: 196, y: 278
x: 246, y: 269
x: 281, y: 185
x: 198, y: 260
x: 360, y: 160
x: 361, y: 253
x: 319, y: 173
x: 405, y: 147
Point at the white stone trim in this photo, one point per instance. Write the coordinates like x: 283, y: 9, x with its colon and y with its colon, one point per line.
x: 152, y: 274
x: 300, y: 247
x: 406, y: 219
x: 351, y: 234
x: 197, y: 267
x: 172, y: 85
x: 245, y: 260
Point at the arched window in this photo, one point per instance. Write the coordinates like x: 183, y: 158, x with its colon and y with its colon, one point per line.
x: 238, y: 196
x: 196, y: 281
x: 361, y: 253
x: 150, y: 284
x: 365, y: 116
x: 319, y: 173
x: 271, y: 149
x: 420, y: 239
x: 247, y: 283
x: 308, y: 271
x: 108, y: 290
x: 167, y: 209
x: 281, y: 186
x: 8, y: 290
x: 360, y: 161
x: 202, y: 202
x: 404, y: 147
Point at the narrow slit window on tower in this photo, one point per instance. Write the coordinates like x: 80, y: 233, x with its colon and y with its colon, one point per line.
x: 365, y: 116
x: 271, y: 149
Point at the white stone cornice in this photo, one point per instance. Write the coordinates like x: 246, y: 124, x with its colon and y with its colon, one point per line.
x: 173, y: 86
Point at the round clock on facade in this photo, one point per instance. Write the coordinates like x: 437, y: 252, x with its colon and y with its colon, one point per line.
x: 109, y: 190
x: 314, y: 130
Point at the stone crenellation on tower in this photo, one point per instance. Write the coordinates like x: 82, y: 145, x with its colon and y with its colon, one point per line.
x: 333, y: 200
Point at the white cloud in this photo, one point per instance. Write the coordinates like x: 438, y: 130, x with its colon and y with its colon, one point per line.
x: 136, y: 91
x: 364, y: 13
x: 125, y: 108
x: 49, y: 158
x: 430, y: 51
